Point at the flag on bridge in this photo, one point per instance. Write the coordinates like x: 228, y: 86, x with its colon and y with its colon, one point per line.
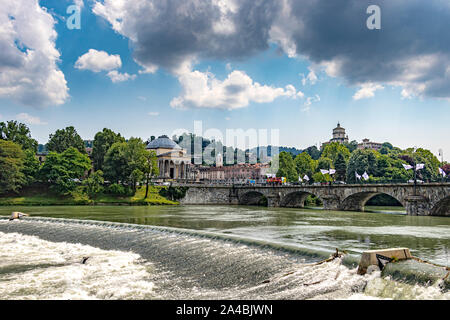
x: 306, y: 178
x: 407, y: 166
x: 357, y: 176
x: 332, y: 171
x: 420, y: 166
x: 442, y: 172
x: 300, y: 179
x: 323, y: 171
x: 365, y: 176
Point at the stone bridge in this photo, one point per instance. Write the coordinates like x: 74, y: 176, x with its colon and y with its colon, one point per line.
x: 430, y: 199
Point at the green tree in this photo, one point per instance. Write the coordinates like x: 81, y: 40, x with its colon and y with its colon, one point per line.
x: 361, y: 161
x: 18, y: 133
x: 313, y: 152
x: 341, y: 167
x: 332, y: 150
x: 351, y: 146
x: 324, y: 163
x: 305, y: 164
x: 62, y: 170
x: 103, y: 140
x: 287, y: 167
x: 31, y: 166
x: 63, y: 139
x: 11, y: 166
x: 124, y: 160
x: 150, y: 168
x: 94, y: 184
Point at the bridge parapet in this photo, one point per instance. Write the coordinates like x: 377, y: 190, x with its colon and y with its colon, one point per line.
x: 429, y: 199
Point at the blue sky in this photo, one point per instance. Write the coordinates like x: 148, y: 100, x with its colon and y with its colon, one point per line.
x: 407, y: 108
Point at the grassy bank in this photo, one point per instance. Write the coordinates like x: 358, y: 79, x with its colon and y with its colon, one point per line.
x: 42, y: 196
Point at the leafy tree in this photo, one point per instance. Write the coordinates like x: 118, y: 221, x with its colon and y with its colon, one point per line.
x: 360, y: 161
x: 125, y: 161
x: 341, y: 167
x: 287, y: 167
x: 430, y: 171
x: 61, y: 170
x: 103, y: 140
x: 305, y: 164
x: 351, y: 146
x: 63, y: 139
x: 319, y: 177
x: 11, y: 166
x: 94, y: 184
x: 324, y: 163
x: 313, y: 152
x: 150, y: 168
x: 18, y: 133
x: 31, y: 166
x: 332, y: 150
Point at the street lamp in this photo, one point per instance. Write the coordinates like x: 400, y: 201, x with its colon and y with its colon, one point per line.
x: 415, y: 171
x: 441, y: 154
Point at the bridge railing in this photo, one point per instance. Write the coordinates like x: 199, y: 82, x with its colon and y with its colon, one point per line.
x: 333, y: 183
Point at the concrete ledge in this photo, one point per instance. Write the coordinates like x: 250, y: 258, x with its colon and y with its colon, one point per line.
x: 377, y: 257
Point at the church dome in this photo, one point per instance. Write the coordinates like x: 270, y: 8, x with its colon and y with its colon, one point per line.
x: 163, y: 142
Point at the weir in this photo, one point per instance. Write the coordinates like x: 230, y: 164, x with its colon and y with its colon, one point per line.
x: 198, y: 264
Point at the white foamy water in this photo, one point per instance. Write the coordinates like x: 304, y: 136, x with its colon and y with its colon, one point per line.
x: 31, y: 268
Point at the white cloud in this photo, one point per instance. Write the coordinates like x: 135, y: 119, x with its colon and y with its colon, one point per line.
x: 28, y: 57
x: 227, y: 118
x: 142, y: 98
x: 203, y: 90
x: 311, y: 77
x: 28, y: 119
x: 116, y: 76
x: 153, y: 114
x: 309, y: 101
x: 97, y: 61
x: 367, y: 91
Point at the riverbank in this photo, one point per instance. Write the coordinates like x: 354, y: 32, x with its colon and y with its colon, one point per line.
x: 44, y: 197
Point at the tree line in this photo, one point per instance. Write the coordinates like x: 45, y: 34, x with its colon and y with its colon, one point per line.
x: 68, y: 168
x: 385, y: 165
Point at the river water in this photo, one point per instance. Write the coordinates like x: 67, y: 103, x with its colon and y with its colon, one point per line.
x: 209, y: 252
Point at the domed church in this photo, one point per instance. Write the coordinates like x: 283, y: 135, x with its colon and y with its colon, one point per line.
x: 173, y: 161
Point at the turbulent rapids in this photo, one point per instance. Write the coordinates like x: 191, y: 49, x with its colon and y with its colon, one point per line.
x: 41, y: 258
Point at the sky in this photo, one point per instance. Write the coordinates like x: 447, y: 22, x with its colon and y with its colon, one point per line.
x: 149, y: 67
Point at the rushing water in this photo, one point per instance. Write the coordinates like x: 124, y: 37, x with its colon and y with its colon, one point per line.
x: 181, y: 252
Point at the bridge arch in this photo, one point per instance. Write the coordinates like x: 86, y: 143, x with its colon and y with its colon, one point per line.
x: 253, y: 198
x: 441, y: 208
x: 295, y: 199
x: 356, y: 201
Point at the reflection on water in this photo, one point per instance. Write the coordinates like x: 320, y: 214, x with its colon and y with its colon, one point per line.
x: 427, y: 237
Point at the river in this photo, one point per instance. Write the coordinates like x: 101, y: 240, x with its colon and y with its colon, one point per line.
x: 209, y: 252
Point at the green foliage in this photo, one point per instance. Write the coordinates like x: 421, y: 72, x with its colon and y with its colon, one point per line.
x: 341, y: 167
x: 305, y: 164
x: 319, y: 177
x: 313, y: 152
x: 31, y: 166
x: 12, y: 160
x: 103, y: 140
x: 351, y: 146
x: 63, y: 169
x: 324, y: 163
x: 18, y: 133
x: 118, y: 190
x: 287, y: 167
x: 66, y: 138
x: 332, y: 150
x: 174, y: 193
x: 125, y: 162
x: 360, y: 161
x: 94, y: 184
